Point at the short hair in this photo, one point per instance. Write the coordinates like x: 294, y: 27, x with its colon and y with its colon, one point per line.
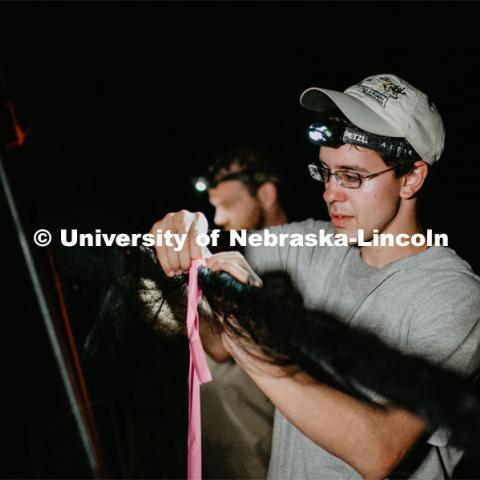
x: 252, y: 165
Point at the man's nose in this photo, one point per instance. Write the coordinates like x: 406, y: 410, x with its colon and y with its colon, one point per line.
x: 333, y: 191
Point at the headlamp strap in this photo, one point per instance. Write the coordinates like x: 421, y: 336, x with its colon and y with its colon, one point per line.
x: 387, y: 145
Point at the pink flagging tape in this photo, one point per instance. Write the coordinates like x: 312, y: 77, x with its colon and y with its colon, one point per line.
x: 198, y: 373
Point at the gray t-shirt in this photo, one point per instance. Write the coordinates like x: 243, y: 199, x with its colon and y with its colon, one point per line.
x: 427, y: 304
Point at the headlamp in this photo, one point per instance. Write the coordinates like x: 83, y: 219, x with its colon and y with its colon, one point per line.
x: 201, y: 184
x: 334, y: 133
x: 249, y: 177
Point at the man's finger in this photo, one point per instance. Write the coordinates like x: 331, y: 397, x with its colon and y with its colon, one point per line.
x: 238, y: 259
x: 161, y: 249
x: 232, y: 268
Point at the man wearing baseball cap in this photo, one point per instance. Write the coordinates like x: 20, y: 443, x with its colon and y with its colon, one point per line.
x: 378, y: 139
x: 387, y: 106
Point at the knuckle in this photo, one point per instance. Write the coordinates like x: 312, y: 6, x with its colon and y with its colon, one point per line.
x: 185, y: 215
x: 200, y: 217
x: 156, y: 226
x: 200, y: 220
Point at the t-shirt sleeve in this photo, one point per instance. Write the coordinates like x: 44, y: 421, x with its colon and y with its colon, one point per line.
x: 447, y: 330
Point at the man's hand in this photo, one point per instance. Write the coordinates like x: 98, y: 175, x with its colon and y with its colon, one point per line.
x: 251, y: 358
x: 176, y: 263
x: 183, y: 222
x: 236, y: 265
x: 192, y: 224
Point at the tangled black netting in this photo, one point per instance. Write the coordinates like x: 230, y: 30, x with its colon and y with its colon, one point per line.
x: 274, y: 319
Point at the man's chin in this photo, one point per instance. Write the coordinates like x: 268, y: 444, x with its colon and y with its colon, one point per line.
x: 345, y: 231
x: 354, y: 235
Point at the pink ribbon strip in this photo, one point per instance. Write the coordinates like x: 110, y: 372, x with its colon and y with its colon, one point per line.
x: 198, y: 373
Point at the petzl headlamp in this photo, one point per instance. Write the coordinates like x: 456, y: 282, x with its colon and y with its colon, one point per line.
x: 334, y: 133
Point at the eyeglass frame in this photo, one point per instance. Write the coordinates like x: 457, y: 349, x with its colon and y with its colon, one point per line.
x: 316, y: 175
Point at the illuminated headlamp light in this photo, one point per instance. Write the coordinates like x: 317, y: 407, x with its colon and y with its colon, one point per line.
x: 201, y: 184
x: 249, y: 177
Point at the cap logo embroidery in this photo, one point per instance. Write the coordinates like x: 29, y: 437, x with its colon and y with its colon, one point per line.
x: 381, y: 89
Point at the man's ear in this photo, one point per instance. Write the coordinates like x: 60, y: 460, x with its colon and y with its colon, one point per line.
x: 267, y: 195
x: 413, y: 181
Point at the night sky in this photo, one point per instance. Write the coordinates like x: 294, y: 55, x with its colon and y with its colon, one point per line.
x: 126, y: 102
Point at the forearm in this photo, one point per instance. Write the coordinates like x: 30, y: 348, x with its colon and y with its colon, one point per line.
x: 371, y: 440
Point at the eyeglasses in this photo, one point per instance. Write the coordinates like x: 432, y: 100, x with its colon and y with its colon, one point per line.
x: 345, y: 178
x: 331, y: 132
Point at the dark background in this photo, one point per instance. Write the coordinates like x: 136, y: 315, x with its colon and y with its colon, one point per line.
x: 126, y: 102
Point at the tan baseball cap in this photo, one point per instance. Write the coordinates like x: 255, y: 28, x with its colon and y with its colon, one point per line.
x: 386, y: 105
